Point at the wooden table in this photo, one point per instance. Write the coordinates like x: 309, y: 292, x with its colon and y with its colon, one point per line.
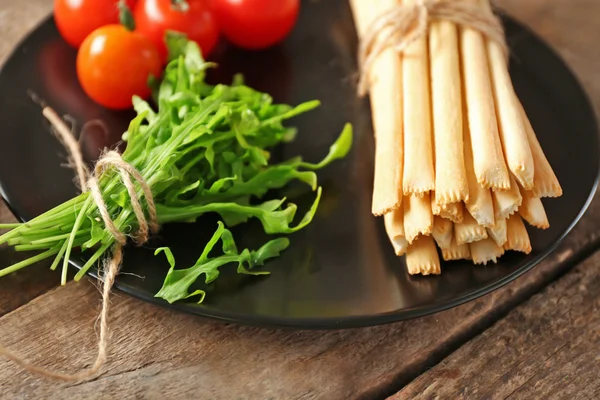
x: 538, y: 337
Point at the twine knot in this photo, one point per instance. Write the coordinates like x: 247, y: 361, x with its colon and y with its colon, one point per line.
x: 89, y: 182
x: 112, y: 159
x: 403, y: 25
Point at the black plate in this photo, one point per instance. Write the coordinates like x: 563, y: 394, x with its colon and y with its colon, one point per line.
x: 340, y: 271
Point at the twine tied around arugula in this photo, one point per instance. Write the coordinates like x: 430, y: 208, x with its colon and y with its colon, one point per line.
x: 401, y: 26
x: 89, y: 182
x: 204, y: 150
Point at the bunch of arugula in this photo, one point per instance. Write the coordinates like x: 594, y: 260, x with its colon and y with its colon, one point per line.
x: 203, y: 151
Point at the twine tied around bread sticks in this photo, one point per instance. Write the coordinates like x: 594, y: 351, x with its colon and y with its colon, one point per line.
x: 401, y: 26
x: 89, y: 182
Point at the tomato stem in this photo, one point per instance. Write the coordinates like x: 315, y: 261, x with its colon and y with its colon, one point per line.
x: 125, y: 16
x: 180, y: 5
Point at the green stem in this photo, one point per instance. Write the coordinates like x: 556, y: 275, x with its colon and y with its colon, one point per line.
x: 9, y: 235
x: 57, y: 212
x: 29, y: 261
x: 76, y: 226
x: 30, y: 247
x: 44, y: 246
x: 45, y: 220
x: 92, y: 260
x: 59, y: 256
x: 52, y: 220
x: 30, y: 238
x: 10, y: 226
x: 58, y: 237
x: 180, y: 5
x: 125, y: 16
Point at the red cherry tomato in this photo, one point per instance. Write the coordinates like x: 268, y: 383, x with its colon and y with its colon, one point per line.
x: 192, y: 17
x: 113, y: 64
x: 256, y: 24
x: 76, y: 19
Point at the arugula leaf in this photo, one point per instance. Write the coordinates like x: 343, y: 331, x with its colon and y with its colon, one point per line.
x: 273, y: 217
x: 339, y: 149
x: 177, y: 283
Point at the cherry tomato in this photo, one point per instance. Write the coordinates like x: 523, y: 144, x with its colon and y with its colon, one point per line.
x: 113, y: 64
x: 192, y: 17
x: 256, y: 24
x: 76, y: 19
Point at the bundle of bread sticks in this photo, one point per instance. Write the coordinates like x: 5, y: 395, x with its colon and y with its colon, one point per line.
x: 457, y: 162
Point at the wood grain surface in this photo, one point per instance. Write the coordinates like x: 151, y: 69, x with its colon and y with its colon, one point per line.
x: 548, y: 348
x: 158, y: 353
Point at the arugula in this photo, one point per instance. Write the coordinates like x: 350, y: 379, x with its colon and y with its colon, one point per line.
x: 177, y: 282
x: 204, y: 149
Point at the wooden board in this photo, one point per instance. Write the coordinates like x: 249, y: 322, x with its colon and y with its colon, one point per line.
x: 157, y: 353
x: 549, y: 347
